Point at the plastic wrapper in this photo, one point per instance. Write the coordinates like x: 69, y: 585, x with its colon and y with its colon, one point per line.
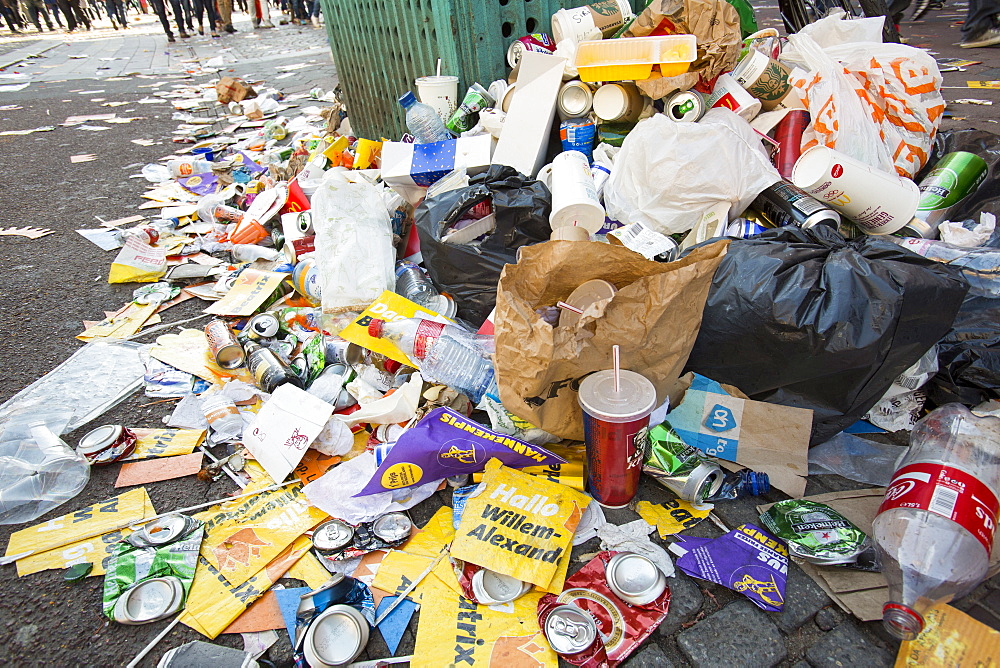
x: 93, y: 380
x: 804, y: 318
x: 469, y: 272
x: 354, y: 249
x: 856, y: 459
x: 660, y: 178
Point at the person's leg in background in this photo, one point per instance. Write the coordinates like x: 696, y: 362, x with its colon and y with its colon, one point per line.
x: 981, y: 27
x: 160, y: 8
x: 53, y: 6
x: 226, y: 15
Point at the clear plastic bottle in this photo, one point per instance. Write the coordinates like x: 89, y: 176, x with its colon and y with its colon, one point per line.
x: 223, y: 417
x: 738, y: 484
x: 423, y: 121
x: 444, y: 353
x: 934, y: 530
x: 188, y: 166
x: 414, y: 284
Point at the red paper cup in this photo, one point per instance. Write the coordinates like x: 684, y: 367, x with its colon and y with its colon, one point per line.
x: 615, y: 427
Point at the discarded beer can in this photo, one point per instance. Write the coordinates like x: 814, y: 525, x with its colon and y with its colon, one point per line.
x: 332, y: 536
x: 575, y: 100
x: 570, y: 630
x: 267, y: 368
x: 634, y: 578
x: 577, y: 134
x: 685, y: 106
x: 263, y: 326
x: 106, y: 444
x: 222, y: 343
x: 536, y: 41
x: 476, y: 99
x: 741, y: 228
x: 956, y: 176
x: 815, y: 532
x: 163, y: 531
x: 149, y: 601
x: 336, y: 540
x: 680, y: 467
x: 336, y: 637
x: 491, y: 588
x: 785, y: 204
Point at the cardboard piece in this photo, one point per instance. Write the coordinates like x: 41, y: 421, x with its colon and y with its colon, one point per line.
x: 858, y: 592
x: 251, y: 289
x: 155, y: 470
x: 264, y: 615
x: 721, y: 422
x: 284, y: 428
x: 950, y: 638
x: 232, y: 89
x: 525, y: 137
x: 654, y: 317
x: 409, y: 168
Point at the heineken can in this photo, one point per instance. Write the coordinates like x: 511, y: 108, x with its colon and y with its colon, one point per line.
x: 467, y: 115
x: 685, y: 106
x: 956, y: 176
x: 815, y: 532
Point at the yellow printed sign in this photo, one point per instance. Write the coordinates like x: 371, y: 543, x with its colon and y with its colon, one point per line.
x: 950, y: 638
x: 309, y: 570
x: 672, y: 516
x: 519, y: 525
x: 87, y: 535
x: 251, y: 290
x: 571, y: 473
x: 243, y: 535
x: 399, y: 566
x: 389, y: 307
x: 151, y: 443
x: 983, y: 84
x: 455, y: 631
x: 214, y: 602
x: 122, y: 324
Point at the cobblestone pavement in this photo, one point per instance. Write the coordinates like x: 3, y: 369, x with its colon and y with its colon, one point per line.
x: 707, y: 626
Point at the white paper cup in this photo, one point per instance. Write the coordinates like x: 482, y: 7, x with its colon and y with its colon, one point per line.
x: 595, y: 21
x: 440, y: 92
x: 730, y: 94
x: 570, y: 233
x: 618, y: 102
x: 574, y: 198
x: 764, y: 78
x: 879, y: 202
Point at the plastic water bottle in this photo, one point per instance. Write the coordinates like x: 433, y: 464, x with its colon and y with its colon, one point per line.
x: 738, y: 484
x: 414, y: 284
x: 934, y: 529
x: 422, y: 121
x: 444, y: 353
x: 188, y: 166
x: 223, y: 417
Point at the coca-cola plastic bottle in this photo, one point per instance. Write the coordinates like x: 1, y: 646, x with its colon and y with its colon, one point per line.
x: 934, y: 529
x: 445, y: 354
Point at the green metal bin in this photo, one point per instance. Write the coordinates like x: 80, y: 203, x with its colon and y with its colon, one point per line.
x: 381, y: 46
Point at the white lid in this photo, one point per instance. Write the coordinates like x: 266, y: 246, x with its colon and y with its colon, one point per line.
x: 636, y: 396
x: 99, y: 439
x: 610, y: 102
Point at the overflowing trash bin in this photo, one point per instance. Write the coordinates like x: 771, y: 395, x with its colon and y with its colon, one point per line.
x: 651, y: 244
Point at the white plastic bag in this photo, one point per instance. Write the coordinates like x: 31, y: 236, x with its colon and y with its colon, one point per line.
x: 878, y: 103
x: 668, y: 174
x: 353, y: 243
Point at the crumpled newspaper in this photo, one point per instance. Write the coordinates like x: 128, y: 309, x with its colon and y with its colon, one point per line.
x: 634, y: 537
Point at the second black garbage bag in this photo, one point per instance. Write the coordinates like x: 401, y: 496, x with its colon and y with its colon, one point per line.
x: 805, y: 318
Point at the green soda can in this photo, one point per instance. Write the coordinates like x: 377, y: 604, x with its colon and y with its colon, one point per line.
x: 815, y: 532
x: 467, y: 114
x: 680, y: 467
x: 956, y: 176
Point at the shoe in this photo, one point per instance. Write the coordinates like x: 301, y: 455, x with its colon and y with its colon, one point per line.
x: 921, y: 8
x: 987, y: 37
x: 230, y: 28
x: 215, y: 34
x: 184, y: 35
x: 267, y: 24
x: 201, y: 30
x: 315, y: 22
x: 171, y: 38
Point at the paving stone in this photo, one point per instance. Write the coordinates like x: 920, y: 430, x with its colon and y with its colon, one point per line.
x: 800, y: 664
x: 828, y: 618
x: 650, y: 656
x: 803, y: 599
x: 984, y: 615
x: 685, y: 601
x: 846, y: 646
x: 741, y: 634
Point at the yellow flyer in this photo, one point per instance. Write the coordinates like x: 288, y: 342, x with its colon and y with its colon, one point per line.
x: 389, y: 307
x: 214, y: 602
x: 571, y: 473
x: 243, y: 535
x: 950, y: 639
x: 251, y: 290
x: 84, y: 536
x: 188, y: 351
x: 455, y: 631
x: 671, y: 516
x: 519, y: 525
x: 399, y: 566
x: 121, y: 325
x: 151, y: 443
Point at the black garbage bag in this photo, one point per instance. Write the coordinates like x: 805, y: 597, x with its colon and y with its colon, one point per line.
x: 969, y: 356
x: 804, y: 318
x: 469, y: 272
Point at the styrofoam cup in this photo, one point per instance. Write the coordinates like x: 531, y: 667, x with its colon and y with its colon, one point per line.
x: 440, y: 92
x: 879, y: 202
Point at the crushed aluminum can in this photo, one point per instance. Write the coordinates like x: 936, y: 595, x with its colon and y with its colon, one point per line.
x: 149, y: 601
x: 815, y: 532
x: 493, y: 588
x: 106, y: 444
x: 634, y: 578
x: 163, y: 531
x: 680, y: 467
x: 570, y: 630
x: 336, y: 637
x: 336, y: 540
x: 262, y: 326
x: 222, y: 343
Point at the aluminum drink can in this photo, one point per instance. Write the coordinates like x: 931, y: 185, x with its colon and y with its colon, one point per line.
x: 783, y: 204
x: 570, y: 630
x: 956, y: 176
x: 536, y: 41
x: 615, y: 427
x: 577, y: 134
x: 226, y: 350
x: 262, y: 326
x: 634, y: 578
x: 788, y: 134
x: 685, y: 106
x: 476, y: 99
x: 268, y: 370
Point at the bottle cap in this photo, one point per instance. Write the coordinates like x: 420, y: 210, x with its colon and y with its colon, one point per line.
x: 407, y: 99
x: 375, y: 328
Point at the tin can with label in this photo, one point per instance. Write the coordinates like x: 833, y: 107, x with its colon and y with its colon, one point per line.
x: 106, y: 444
x: 956, y: 176
x: 267, y: 368
x: 476, y: 99
x: 577, y: 134
x: 570, y: 630
x: 783, y: 204
x: 536, y: 41
x: 226, y: 350
x: 306, y: 281
x: 685, y: 106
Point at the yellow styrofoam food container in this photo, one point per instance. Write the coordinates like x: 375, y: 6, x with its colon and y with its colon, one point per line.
x: 631, y: 58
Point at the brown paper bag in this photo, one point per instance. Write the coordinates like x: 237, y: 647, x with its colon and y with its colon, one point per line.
x: 715, y: 23
x: 231, y: 89
x: 654, y: 318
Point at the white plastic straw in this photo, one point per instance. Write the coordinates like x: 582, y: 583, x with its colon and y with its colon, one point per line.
x: 439, y: 67
x: 615, y: 356
x: 569, y: 307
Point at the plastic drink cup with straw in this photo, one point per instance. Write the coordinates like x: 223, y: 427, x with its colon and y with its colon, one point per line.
x: 616, y: 405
